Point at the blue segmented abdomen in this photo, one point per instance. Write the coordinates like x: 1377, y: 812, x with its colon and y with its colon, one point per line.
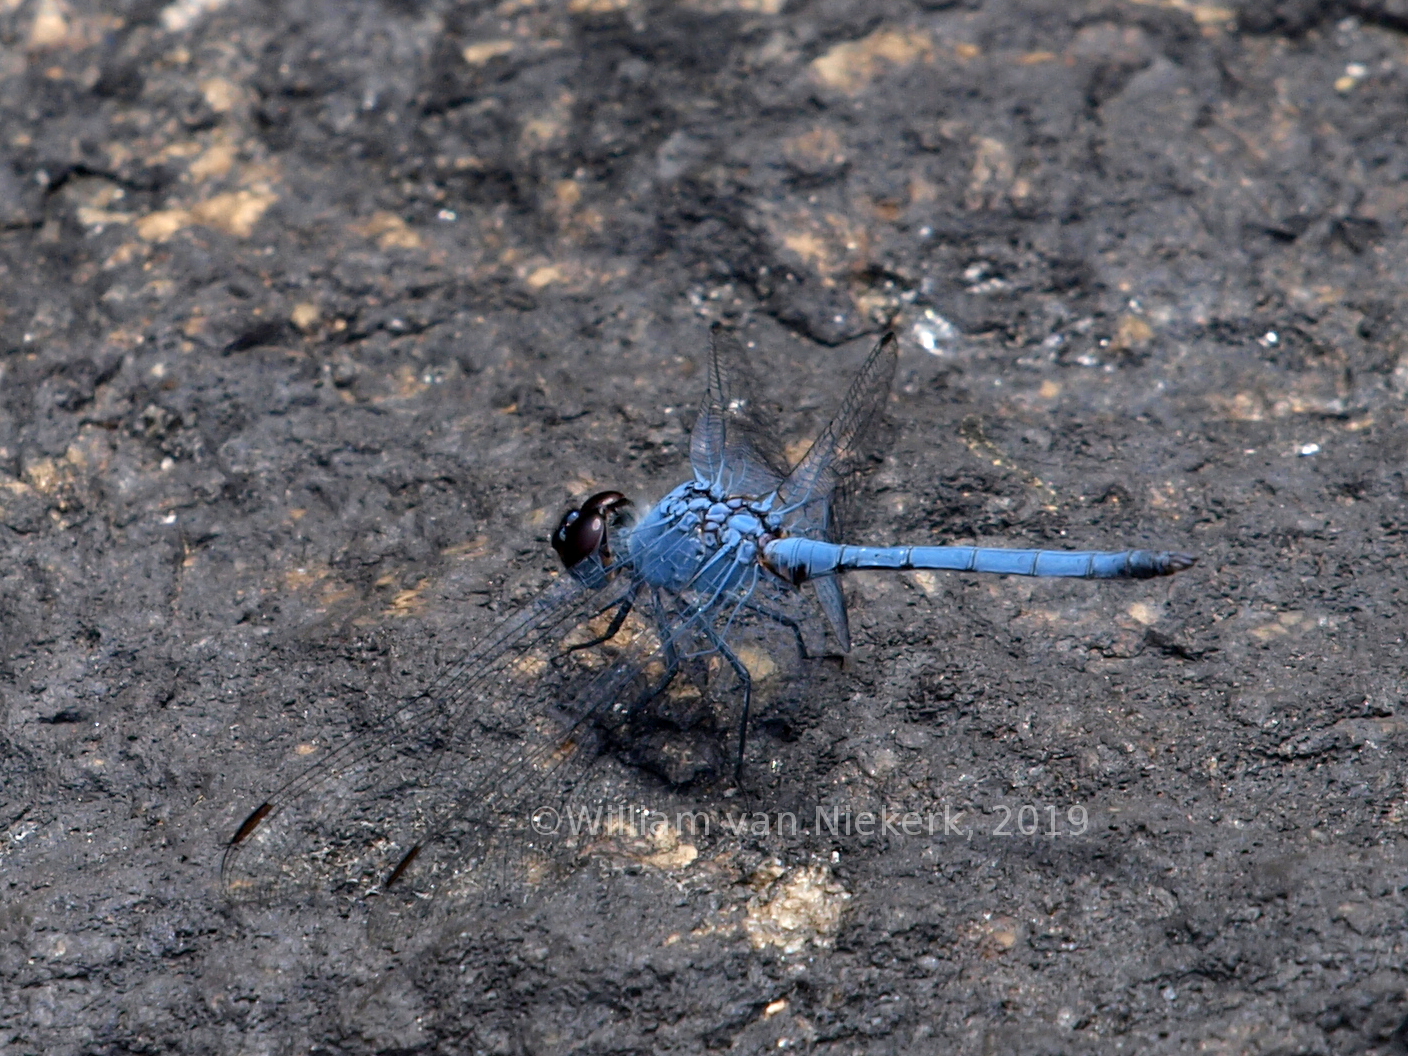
x: 799, y: 559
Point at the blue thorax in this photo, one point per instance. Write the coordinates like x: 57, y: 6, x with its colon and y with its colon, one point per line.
x: 700, y: 539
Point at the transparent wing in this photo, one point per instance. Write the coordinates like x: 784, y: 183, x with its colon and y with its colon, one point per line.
x: 732, y: 444
x: 809, y: 492
x: 339, y: 818
x: 650, y: 691
x: 653, y: 696
x: 450, y: 779
x: 841, y: 448
x: 496, y: 813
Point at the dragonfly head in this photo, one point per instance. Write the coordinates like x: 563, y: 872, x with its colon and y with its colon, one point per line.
x: 583, y: 531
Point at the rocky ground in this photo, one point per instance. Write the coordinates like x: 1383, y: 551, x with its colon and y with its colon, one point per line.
x: 316, y: 315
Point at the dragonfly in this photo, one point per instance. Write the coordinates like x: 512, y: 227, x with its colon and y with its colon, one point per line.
x: 742, y: 559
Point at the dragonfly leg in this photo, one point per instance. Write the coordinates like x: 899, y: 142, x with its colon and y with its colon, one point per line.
x: 672, y: 669
x: 672, y: 657
x: 786, y: 621
x: 672, y: 661
x: 623, y: 609
x: 747, y: 682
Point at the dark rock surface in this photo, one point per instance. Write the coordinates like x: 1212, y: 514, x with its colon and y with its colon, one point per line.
x: 317, y: 314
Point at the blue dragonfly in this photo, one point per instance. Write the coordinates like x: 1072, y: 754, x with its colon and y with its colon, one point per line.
x: 738, y: 562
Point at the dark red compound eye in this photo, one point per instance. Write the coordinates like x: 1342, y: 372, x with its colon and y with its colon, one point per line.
x: 582, y: 532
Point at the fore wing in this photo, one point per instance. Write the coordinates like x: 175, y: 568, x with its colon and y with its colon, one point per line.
x: 729, y: 446
x: 342, y: 824
x: 431, y: 790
